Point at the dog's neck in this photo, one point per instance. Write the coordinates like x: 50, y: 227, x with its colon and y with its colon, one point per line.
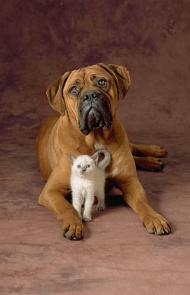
x: 98, y: 136
x: 96, y: 139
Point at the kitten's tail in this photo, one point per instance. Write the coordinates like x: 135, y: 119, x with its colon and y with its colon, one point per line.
x: 102, y: 163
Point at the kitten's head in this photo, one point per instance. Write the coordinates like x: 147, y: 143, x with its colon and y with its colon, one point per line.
x: 83, y: 165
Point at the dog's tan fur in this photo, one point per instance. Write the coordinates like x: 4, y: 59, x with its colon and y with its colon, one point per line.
x: 60, y: 136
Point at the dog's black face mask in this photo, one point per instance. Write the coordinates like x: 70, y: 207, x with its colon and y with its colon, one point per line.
x: 94, y: 112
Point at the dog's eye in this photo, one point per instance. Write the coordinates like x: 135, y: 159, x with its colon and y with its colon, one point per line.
x: 74, y: 90
x: 78, y: 166
x: 102, y: 82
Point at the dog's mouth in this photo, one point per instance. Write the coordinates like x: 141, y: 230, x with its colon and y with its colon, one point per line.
x: 94, y: 112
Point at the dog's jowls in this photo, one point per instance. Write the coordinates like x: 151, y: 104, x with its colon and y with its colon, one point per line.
x: 86, y: 100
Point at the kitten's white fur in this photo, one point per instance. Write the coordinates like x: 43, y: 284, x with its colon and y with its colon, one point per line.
x: 88, y: 180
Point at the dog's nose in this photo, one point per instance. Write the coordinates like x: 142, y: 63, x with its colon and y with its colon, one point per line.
x: 90, y: 95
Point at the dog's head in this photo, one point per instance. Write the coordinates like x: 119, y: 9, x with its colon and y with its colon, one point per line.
x: 90, y: 95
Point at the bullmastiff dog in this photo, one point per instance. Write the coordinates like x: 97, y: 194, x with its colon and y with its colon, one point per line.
x: 87, y: 100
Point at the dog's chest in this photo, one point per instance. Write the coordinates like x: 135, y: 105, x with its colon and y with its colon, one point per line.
x: 98, y: 146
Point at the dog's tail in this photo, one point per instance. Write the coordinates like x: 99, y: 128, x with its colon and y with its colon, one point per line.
x: 102, y: 158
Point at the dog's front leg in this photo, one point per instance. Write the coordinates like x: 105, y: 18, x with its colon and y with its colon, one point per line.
x: 53, y: 198
x: 135, y: 197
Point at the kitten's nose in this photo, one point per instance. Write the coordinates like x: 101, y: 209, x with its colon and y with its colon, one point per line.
x: 83, y: 169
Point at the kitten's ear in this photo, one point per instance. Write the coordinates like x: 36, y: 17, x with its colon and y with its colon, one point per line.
x: 95, y: 157
x: 72, y: 158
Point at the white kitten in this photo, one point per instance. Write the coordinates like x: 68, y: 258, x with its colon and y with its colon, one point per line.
x: 88, y: 180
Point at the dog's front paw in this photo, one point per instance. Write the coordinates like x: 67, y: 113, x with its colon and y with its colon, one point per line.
x: 156, y: 224
x: 72, y: 228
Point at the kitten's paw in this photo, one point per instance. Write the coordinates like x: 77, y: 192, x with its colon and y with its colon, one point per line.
x: 101, y: 208
x: 87, y: 218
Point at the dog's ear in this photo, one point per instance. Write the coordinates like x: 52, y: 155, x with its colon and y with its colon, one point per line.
x: 121, y: 75
x: 55, y: 94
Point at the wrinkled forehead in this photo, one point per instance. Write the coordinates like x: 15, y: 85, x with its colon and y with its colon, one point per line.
x: 96, y: 70
x: 79, y: 76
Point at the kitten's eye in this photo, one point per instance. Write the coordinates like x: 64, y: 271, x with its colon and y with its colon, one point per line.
x: 87, y: 166
x: 102, y: 82
x: 78, y: 166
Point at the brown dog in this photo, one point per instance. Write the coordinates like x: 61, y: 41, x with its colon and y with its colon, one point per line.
x: 87, y: 101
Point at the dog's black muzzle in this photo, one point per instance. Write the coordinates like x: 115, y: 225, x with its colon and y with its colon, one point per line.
x: 94, y: 111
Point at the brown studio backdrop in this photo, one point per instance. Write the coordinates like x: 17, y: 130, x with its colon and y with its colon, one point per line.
x: 43, y: 39
x: 40, y: 40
